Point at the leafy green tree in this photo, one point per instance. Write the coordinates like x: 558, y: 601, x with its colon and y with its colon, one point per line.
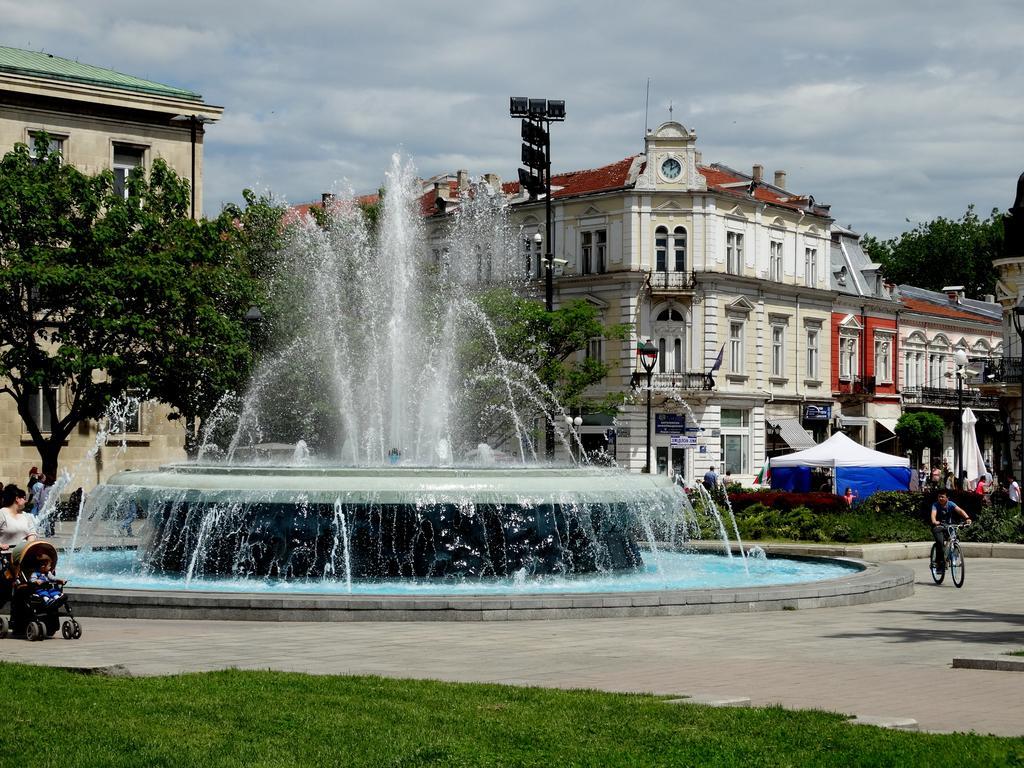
x: 109, y: 292
x: 545, y: 343
x: 943, y: 252
x: 918, y: 430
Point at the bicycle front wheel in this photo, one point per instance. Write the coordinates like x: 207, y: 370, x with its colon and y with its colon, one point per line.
x: 956, y: 565
x: 937, y: 565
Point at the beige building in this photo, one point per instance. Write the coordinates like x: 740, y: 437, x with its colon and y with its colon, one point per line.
x: 710, y: 264
x: 99, y: 119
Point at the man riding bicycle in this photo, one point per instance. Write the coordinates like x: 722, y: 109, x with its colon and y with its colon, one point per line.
x: 942, y: 515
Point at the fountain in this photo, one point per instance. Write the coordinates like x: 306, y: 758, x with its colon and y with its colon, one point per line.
x: 390, y: 446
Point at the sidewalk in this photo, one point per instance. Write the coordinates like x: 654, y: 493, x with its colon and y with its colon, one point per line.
x: 889, y: 659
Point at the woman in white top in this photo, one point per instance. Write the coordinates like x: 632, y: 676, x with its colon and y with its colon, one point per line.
x: 16, y: 525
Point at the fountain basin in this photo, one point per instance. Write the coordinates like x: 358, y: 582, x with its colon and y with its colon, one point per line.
x: 405, y: 522
x: 864, y: 583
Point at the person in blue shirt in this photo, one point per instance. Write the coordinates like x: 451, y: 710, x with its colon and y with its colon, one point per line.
x: 942, y: 515
x: 711, y: 480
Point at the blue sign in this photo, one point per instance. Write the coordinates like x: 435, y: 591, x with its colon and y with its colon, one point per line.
x: 669, y: 423
x: 817, y: 413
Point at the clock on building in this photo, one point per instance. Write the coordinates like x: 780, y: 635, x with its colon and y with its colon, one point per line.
x: 671, y: 168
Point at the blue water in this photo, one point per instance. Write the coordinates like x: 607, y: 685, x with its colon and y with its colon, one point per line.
x: 118, y: 569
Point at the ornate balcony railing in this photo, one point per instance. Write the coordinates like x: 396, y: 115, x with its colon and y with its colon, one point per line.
x: 946, y: 397
x: 693, y: 382
x: 669, y: 282
x: 857, y: 385
x: 996, y: 370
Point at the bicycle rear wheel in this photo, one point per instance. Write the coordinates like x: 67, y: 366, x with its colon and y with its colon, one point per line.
x: 937, y: 565
x: 956, y: 565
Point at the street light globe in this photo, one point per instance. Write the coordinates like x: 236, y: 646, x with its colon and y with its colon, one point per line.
x: 538, y: 238
x: 578, y: 421
x: 960, y: 356
x: 568, y: 421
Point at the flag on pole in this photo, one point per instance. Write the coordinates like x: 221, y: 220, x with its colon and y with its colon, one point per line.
x: 718, y: 360
x: 764, y: 477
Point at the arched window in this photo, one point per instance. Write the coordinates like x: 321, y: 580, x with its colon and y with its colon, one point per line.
x: 670, y: 315
x: 661, y: 249
x: 670, y: 331
x: 679, y: 249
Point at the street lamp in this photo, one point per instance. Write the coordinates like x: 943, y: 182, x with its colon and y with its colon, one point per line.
x: 960, y: 359
x: 647, y: 354
x: 1018, y: 324
x: 570, y: 423
x: 194, y: 121
x: 537, y: 116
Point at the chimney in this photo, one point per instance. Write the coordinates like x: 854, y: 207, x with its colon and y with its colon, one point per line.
x: 463, y: 177
x: 955, y: 293
x: 326, y: 199
x: 493, y: 181
x: 990, y: 298
x: 780, y: 179
x: 758, y: 173
x: 442, y: 190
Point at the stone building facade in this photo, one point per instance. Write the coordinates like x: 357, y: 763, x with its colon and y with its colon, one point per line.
x: 99, y: 119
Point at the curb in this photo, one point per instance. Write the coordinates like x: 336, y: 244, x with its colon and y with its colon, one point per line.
x: 1000, y: 663
x: 874, y: 553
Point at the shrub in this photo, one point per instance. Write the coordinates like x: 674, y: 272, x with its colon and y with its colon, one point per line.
x: 816, y: 502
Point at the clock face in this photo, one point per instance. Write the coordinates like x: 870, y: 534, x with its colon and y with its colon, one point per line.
x: 671, y: 168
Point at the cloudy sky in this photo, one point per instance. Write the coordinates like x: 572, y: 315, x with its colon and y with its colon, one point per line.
x: 889, y: 111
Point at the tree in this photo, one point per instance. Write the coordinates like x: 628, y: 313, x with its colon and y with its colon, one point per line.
x: 544, y: 343
x: 943, y: 252
x: 104, y: 290
x: 919, y: 430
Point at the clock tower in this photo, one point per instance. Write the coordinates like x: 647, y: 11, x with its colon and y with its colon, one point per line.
x: 671, y: 160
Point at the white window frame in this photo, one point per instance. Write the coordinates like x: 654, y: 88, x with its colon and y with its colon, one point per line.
x: 736, y: 346
x: 56, y: 143
x: 37, y: 404
x: 595, y: 349
x: 883, y: 357
x: 810, y: 267
x: 593, y: 251
x: 734, y: 252
x: 848, y: 351
x: 775, y: 260
x: 778, y: 350
x: 813, y: 336
x: 661, y: 249
x: 121, y: 169
x: 678, y: 245
x: 742, y: 432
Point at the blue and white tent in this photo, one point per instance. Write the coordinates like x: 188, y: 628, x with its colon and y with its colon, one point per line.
x: 852, y: 466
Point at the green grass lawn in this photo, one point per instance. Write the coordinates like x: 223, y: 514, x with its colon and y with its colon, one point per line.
x: 235, y: 718
x: 1015, y: 653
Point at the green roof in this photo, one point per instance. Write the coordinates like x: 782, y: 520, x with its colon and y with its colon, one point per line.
x: 21, y: 62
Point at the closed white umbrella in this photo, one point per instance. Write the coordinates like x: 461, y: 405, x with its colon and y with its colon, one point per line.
x: 973, y: 460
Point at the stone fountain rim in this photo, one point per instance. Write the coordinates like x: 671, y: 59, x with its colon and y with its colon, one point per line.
x: 874, y: 582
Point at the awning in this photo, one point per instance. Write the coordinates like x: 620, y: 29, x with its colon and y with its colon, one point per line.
x: 853, y: 421
x: 795, y: 436
x: 889, y: 424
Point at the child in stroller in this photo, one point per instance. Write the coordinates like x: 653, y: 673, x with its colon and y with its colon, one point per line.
x: 36, y: 595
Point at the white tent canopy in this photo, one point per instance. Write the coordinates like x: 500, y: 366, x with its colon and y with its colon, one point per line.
x: 839, y: 451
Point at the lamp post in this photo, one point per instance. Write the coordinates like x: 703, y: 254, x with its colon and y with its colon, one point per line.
x: 960, y: 359
x: 573, y: 425
x: 194, y: 121
x: 1018, y: 325
x: 647, y: 354
x: 537, y: 115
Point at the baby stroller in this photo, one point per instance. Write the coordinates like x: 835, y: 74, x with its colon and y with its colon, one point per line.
x: 34, y: 615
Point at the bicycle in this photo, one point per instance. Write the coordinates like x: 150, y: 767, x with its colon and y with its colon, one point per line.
x: 953, y: 557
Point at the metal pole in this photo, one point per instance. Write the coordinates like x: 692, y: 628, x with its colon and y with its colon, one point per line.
x: 549, y: 256
x: 958, y: 441
x: 647, y: 460
x: 192, y: 122
x: 1019, y: 476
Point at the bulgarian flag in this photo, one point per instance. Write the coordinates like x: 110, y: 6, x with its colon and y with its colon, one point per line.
x: 764, y: 477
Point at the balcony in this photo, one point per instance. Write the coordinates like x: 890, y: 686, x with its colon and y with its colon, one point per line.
x: 674, y: 283
x: 857, y: 386
x: 1005, y: 370
x: 689, y: 382
x: 946, y: 397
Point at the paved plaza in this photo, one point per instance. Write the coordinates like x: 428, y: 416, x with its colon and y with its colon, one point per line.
x: 888, y: 659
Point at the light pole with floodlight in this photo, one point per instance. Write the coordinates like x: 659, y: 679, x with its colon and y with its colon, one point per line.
x: 647, y: 354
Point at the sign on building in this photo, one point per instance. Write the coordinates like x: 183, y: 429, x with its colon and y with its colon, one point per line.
x: 669, y: 423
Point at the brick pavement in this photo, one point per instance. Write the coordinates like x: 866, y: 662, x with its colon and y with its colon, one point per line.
x: 889, y: 659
